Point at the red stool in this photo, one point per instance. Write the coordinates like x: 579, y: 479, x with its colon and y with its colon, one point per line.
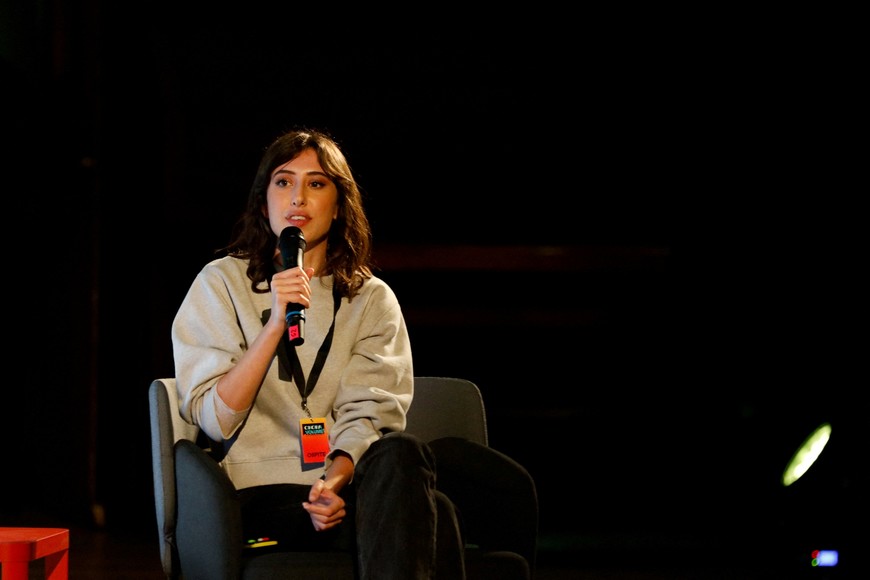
x: 20, y: 546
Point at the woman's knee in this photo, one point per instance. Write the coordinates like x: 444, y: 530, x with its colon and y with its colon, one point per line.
x: 404, y: 445
x: 400, y: 450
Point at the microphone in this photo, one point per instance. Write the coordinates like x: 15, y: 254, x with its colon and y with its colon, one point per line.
x: 292, y: 244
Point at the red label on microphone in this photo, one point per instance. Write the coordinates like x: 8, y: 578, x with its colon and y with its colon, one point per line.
x: 293, y: 332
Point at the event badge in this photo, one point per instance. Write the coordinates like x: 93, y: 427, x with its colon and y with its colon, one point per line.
x: 315, y: 442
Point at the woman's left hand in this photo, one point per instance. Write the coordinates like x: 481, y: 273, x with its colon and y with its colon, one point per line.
x: 325, y: 507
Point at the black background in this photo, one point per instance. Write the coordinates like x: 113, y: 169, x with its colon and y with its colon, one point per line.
x: 695, y: 180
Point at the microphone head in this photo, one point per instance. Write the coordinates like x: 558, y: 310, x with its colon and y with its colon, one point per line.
x: 291, y: 237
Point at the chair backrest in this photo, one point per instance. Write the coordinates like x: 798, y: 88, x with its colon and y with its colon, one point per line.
x: 447, y: 407
x: 167, y: 427
x: 442, y: 407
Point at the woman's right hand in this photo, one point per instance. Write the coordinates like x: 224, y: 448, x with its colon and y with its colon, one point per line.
x: 290, y: 287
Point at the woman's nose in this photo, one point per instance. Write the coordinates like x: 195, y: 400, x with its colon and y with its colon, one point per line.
x: 298, y: 198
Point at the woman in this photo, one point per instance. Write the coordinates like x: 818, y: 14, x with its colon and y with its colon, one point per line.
x: 273, y: 406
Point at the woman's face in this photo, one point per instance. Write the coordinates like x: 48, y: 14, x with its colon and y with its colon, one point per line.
x: 300, y: 194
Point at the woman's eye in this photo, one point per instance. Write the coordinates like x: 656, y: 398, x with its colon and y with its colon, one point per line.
x: 281, y: 182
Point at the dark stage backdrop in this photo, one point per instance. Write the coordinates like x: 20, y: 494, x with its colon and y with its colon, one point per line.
x: 637, y: 241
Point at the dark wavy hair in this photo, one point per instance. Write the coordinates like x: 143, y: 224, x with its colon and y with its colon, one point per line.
x: 349, y: 245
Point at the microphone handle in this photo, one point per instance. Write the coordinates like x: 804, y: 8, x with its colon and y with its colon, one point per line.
x: 295, y: 324
x: 291, y: 242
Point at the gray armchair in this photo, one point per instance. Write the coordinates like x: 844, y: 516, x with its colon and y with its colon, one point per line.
x: 199, y: 520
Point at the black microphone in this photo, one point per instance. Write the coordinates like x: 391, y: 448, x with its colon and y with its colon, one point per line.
x: 292, y: 244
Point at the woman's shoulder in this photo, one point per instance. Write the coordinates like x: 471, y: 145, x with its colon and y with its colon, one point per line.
x: 226, y: 264
x: 378, y: 288
x: 225, y: 268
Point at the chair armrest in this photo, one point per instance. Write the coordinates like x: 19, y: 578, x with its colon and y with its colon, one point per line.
x: 496, y: 496
x: 209, y: 529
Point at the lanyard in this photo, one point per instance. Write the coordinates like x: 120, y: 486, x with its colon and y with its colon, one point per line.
x: 305, y: 387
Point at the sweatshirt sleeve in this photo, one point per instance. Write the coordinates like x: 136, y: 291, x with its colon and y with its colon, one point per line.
x: 377, y: 384
x: 207, y: 341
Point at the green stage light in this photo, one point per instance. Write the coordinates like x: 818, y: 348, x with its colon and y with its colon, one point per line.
x: 806, y: 454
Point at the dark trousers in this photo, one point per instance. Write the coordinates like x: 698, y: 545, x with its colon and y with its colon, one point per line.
x: 399, y: 524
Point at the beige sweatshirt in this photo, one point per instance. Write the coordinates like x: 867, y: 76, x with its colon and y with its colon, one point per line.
x: 364, y: 389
